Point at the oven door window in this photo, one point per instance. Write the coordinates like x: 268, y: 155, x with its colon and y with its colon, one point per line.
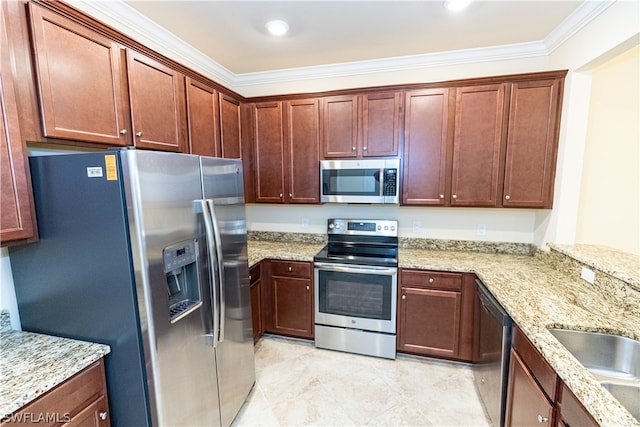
x: 351, y: 182
x: 355, y: 295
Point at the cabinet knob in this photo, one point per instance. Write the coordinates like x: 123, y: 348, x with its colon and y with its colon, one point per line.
x: 542, y: 419
x: 290, y: 194
x: 404, y: 297
x: 353, y: 148
x: 442, y: 196
x: 307, y: 287
x: 289, y: 268
x: 249, y: 277
x: 123, y: 132
x: 364, y: 148
x: 103, y: 415
x: 430, y: 279
x: 453, y: 196
x: 281, y: 195
x: 507, y: 197
x: 138, y: 133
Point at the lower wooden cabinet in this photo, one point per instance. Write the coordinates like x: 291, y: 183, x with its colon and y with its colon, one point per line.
x: 290, y: 296
x: 435, y: 314
x: 256, y: 301
x: 79, y: 401
x: 570, y: 412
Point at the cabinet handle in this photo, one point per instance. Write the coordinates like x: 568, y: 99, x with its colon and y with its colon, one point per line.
x: 454, y: 196
x: 353, y: 148
x: 442, y: 196
x: 138, y: 133
x: 507, y: 197
x: 404, y: 297
x: 290, y: 194
x: 430, y: 279
x: 123, y: 132
x: 289, y: 269
x: 281, y: 195
x: 364, y: 148
x: 249, y: 277
x: 542, y: 419
x: 103, y: 415
x: 307, y: 287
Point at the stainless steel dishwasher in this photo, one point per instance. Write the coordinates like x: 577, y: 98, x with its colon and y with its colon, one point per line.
x: 491, y: 362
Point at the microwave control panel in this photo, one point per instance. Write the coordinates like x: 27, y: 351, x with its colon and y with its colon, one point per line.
x: 390, y: 182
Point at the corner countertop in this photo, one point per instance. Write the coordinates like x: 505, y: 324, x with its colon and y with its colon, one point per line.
x: 539, y: 292
x: 32, y: 364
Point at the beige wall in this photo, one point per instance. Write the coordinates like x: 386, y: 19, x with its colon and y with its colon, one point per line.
x: 609, y: 206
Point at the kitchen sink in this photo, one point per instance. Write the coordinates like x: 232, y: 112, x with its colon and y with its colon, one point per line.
x: 613, y: 360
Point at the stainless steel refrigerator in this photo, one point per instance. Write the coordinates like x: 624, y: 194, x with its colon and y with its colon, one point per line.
x: 146, y: 252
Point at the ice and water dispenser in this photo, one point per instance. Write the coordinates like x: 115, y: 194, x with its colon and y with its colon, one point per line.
x: 181, y: 269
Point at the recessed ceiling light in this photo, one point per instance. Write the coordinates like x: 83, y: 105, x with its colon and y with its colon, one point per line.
x: 277, y: 27
x: 456, y: 5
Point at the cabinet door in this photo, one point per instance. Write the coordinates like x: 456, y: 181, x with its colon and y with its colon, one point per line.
x: 230, y: 128
x: 202, y: 119
x: 426, y: 147
x: 478, y: 138
x: 303, y: 151
x: 381, y: 124
x: 95, y: 414
x: 157, y: 104
x: 256, y: 302
x: 292, y: 306
x: 570, y: 412
x: 17, y: 218
x: 340, y: 126
x: 79, y: 73
x: 527, y: 405
x: 269, y: 152
x: 532, y: 144
x: 429, y: 322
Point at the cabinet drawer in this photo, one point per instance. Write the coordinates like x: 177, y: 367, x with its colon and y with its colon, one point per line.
x: 254, y: 273
x: 431, y: 279
x: 73, y: 395
x: 291, y: 268
x: 541, y: 370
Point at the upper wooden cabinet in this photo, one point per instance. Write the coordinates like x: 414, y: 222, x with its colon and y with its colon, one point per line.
x: 202, y: 119
x: 427, y: 119
x: 17, y: 217
x: 80, y: 81
x: 367, y: 125
x: 477, y: 143
x: 532, y: 146
x: 157, y: 104
x: 230, y: 127
x: 287, y: 138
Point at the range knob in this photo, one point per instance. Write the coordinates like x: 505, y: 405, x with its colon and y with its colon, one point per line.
x: 331, y: 226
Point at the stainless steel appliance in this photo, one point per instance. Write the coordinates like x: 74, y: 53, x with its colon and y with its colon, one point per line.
x: 491, y: 364
x: 356, y: 280
x: 146, y: 252
x: 360, y: 181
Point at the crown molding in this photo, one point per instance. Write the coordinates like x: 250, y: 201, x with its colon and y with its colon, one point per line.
x: 129, y: 21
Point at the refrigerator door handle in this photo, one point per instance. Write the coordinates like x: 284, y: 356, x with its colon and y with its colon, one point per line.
x: 218, y: 244
x: 201, y: 206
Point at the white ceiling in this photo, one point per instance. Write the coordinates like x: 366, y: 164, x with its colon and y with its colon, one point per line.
x: 232, y: 33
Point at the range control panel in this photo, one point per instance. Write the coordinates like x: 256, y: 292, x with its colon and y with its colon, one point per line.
x: 363, y: 227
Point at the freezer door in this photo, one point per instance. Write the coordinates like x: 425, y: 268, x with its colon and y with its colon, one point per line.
x: 160, y: 190
x: 223, y: 187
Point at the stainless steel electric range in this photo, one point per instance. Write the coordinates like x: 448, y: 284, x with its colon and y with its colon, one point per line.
x: 356, y: 280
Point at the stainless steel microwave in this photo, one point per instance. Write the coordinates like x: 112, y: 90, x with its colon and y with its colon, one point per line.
x: 360, y: 181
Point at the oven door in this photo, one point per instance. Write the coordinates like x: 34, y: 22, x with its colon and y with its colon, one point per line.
x: 356, y: 296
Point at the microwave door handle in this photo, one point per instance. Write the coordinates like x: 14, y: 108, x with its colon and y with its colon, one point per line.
x: 221, y: 284
x: 201, y: 207
x: 353, y: 269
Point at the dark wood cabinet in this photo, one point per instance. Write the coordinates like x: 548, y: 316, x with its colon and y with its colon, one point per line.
x: 17, y: 221
x: 291, y: 299
x: 156, y: 93
x: 287, y: 151
x: 434, y: 314
x: 203, y: 119
x: 367, y: 125
x: 533, y: 385
x: 570, y: 412
x: 230, y: 127
x: 427, y: 148
x: 532, y: 143
x: 79, y: 401
x: 255, y: 281
x: 477, y: 145
x: 80, y: 83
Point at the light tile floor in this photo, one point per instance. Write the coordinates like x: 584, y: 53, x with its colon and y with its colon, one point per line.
x: 299, y: 385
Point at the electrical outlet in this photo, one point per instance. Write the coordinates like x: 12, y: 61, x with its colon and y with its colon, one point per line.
x: 305, y: 222
x: 588, y: 275
x: 417, y: 226
x: 481, y: 230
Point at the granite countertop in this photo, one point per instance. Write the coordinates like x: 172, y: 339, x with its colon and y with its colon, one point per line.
x: 539, y: 292
x: 32, y: 364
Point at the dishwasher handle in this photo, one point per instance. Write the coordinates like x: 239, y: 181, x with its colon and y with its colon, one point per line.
x: 490, y: 304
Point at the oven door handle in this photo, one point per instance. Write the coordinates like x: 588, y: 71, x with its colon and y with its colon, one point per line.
x: 387, y: 271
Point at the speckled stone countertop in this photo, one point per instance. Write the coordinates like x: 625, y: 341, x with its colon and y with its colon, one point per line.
x: 32, y: 364
x: 539, y: 291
